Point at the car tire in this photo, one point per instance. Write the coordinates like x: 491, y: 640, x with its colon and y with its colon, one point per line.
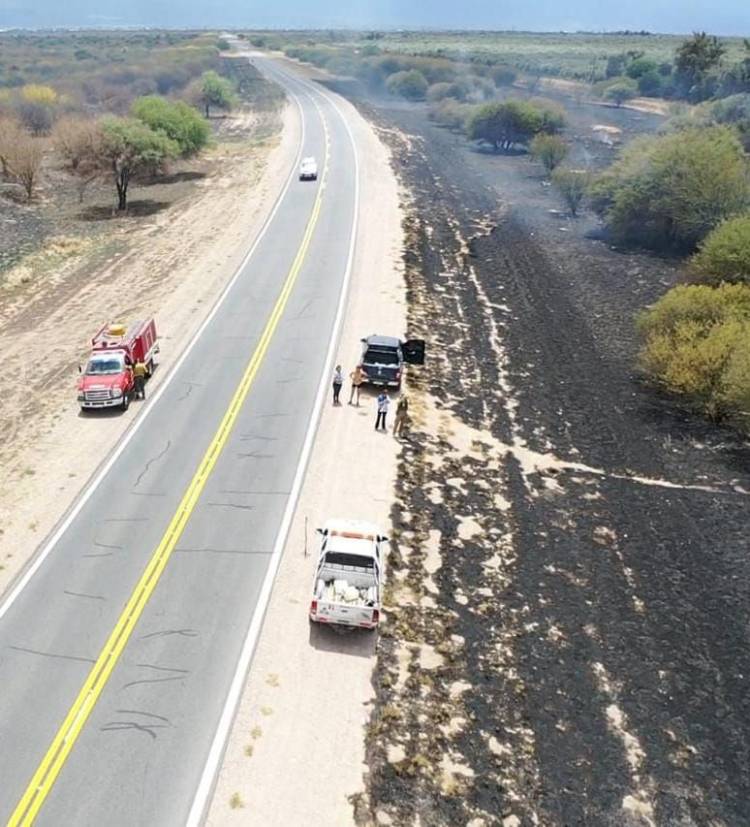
x: 125, y: 402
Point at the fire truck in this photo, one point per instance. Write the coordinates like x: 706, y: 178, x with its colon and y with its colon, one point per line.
x: 107, y: 379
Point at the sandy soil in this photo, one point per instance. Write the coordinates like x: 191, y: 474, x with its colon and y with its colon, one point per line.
x: 296, y: 754
x: 173, y: 265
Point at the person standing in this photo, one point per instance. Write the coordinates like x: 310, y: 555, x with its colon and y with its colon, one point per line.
x: 338, y: 381
x: 383, y: 403
x: 358, y: 378
x: 402, y: 416
x: 139, y: 379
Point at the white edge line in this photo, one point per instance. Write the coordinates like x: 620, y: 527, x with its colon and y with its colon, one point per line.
x: 208, y: 779
x: 23, y: 580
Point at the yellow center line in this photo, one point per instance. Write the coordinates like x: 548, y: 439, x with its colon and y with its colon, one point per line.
x: 48, y: 770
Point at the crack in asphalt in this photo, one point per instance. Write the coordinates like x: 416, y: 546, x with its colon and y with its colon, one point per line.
x: 119, y: 726
x: 51, y: 654
x: 82, y: 594
x: 168, y: 632
x: 151, y: 462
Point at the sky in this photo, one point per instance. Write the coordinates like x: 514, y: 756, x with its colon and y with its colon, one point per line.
x: 728, y: 17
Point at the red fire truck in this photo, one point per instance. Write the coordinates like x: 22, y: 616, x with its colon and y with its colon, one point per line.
x: 107, y: 380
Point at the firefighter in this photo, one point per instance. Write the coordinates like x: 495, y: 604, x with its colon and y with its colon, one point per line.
x: 139, y: 377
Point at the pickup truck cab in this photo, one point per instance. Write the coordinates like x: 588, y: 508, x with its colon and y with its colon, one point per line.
x: 383, y: 359
x: 349, y: 575
x: 308, y: 170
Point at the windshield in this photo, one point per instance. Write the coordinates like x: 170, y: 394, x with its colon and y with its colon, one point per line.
x: 100, y: 365
x: 381, y: 357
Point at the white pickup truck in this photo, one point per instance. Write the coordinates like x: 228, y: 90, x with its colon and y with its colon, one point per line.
x: 349, y: 575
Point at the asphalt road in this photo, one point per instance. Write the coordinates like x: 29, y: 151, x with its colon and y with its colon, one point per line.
x: 140, y: 754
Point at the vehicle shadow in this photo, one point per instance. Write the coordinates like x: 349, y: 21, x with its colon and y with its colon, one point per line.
x: 358, y: 642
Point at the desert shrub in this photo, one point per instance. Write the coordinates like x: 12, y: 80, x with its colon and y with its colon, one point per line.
x: 696, y: 343
x: 621, y: 91
x: 641, y: 66
x: 671, y: 190
x: 650, y: 84
x: 439, y: 91
x: 411, y: 85
x: 177, y: 121
x: 549, y: 150
x: 724, y: 254
x: 552, y: 115
x: 504, y: 76
x: 11, y: 135
x: 451, y: 113
x: 572, y: 184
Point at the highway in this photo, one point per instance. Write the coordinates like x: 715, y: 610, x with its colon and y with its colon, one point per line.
x: 123, y: 645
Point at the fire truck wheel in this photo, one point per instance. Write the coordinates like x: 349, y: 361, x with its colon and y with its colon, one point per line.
x: 150, y: 367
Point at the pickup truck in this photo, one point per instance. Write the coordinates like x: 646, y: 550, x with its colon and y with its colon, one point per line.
x: 107, y: 380
x: 383, y: 359
x: 349, y: 575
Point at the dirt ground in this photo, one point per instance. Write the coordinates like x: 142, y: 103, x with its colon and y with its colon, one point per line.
x: 296, y: 754
x: 569, y: 568
x: 172, y: 262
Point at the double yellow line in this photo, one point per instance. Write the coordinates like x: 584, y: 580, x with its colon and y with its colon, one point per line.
x: 48, y: 770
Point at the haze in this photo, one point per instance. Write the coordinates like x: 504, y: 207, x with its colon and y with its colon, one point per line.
x: 731, y: 17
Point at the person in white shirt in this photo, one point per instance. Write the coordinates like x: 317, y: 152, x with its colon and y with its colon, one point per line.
x: 338, y: 381
x: 383, y: 403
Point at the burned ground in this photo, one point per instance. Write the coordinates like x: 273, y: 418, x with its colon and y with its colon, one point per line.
x: 567, y: 641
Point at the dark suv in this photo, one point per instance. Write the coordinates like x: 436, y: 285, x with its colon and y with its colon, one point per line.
x: 383, y: 359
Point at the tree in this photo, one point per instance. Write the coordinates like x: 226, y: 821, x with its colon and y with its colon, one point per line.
x: 177, y: 121
x: 550, y: 150
x: 621, y: 91
x: 26, y: 163
x: 78, y: 141
x: 671, y: 190
x: 724, y: 255
x: 504, y: 124
x: 411, y: 85
x: 573, y: 185
x: 696, y: 343
x: 650, y: 84
x: 694, y: 61
x: 11, y: 135
x: 36, y: 108
x: 214, y: 90
x: 128, y: 148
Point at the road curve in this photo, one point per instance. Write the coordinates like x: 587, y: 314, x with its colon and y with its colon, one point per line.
x: 119, y: 647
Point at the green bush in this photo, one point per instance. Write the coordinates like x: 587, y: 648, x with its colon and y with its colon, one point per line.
x: 411, y: 85
x: 696, y: 343
x: 552, y: 115
x: 621, y: 91
x: 550, y: 150
x: 572, y: 184
x: 177, y: 121
x: 641, y: 66
x: 724, y: 254
x: 451, y: 113
x: 671, y: 190
x: 504, y: 124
